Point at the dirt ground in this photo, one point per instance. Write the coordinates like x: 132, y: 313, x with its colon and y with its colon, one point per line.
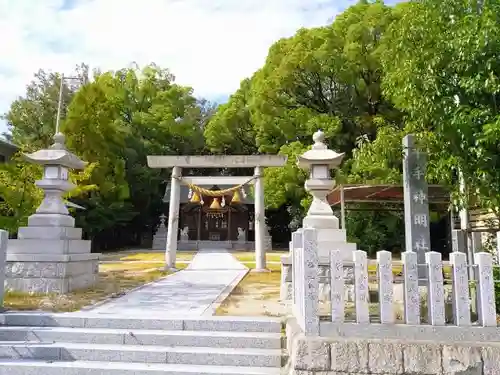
x: 256, y: 295
x: 120, y: 273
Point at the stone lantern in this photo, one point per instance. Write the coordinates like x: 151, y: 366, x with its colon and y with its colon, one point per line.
x: 160, y: 237
x: 49, y: 254
x: 319, y: 161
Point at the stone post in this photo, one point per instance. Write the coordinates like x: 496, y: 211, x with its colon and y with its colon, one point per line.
x: 416, y: 204
x: 486, y: 290
x: 4, y: 239
x: 173, y: 219
x: 260, y: 221
x: 49, y: 255
x: 460, y: 292
x: 459, y: 240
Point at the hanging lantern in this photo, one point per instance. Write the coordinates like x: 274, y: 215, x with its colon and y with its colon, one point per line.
x: 223, y: 201
x: 243, y: 192
x: 195, y: 198
x: 236, y: 197
x: 190, y: 194
x: 215, y: 204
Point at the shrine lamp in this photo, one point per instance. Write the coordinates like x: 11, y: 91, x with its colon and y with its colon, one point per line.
x: 319, y: 161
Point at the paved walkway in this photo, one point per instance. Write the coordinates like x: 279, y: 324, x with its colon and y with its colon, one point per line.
x: 189, y: 292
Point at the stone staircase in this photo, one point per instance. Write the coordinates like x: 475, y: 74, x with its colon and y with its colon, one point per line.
x: 78, y: 343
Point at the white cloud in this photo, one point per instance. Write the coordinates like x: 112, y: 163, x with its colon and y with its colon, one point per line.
x: 210, y: 45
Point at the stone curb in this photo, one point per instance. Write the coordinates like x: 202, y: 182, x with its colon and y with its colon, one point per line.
x: 225, y: 293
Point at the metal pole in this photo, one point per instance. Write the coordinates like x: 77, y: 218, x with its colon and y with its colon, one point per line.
x: 342, y: 207
x: 59, y: 103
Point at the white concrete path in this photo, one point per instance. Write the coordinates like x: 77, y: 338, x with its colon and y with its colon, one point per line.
x: 189, y: 292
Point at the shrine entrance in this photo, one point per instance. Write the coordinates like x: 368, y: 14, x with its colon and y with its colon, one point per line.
x: 208, y: 220
x: 218, y: 214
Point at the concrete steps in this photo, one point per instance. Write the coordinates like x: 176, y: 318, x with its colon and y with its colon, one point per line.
x: 114, y: 368
x: 99, y: 344
x: 64, y: 351
x: 218, y: 339
x: 173, y: 323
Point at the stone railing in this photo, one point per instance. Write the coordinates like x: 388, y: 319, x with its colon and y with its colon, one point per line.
x: 446, y: 316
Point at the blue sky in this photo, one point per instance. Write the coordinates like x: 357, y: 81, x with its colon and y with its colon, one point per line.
x: 209, y: 45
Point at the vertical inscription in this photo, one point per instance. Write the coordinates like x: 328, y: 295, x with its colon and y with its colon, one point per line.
x: 385, y: 287
x: 416, y: 204
x: 311, y: 282
x: 337, y: 286
x: 435, y: 291
x: 296, y: 270
x: 361, y: 294
x: 411, y: 291
x: 460, y: 292
x: 486, y: 290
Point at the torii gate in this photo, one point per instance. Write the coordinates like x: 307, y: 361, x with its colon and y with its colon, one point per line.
x: 258, y: 162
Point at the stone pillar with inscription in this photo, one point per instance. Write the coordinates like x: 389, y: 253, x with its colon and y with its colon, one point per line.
x: 416, y: 204
x: 173, y: 219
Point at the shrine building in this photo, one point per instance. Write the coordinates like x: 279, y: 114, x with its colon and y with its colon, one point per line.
x: 205, y: 219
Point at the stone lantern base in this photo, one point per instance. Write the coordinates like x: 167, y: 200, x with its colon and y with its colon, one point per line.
x: 160, y: 239
x: 48, y: 259
x: 330, y: 237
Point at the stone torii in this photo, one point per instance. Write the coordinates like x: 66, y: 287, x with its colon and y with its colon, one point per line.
x: 258, y: 162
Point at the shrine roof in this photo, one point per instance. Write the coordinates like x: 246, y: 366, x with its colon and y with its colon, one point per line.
x: 185, y: 193
x: 383, y: 194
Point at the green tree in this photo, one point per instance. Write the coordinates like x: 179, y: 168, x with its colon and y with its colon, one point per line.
x: 327, y: 78
x: 231, y: 130
x: 377, y: 161
x: 32, y: 118
x: 116, y: 121
x: 442, y: 67
x: 113, y: 122
x: 324, y: 78
x: 18, y: 191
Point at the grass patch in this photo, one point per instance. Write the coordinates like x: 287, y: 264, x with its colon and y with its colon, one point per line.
x: 271, y: 266
x: 127, y: 256
x: 249, y: 256
x: 398, y: 270
x: 113, y: 282
x: 124, y: 266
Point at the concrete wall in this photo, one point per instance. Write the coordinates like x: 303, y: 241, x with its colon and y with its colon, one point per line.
x: 335, y: 356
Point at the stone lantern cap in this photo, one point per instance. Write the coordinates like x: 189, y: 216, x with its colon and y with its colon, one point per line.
x: 320, y: 154
x: 57, y: 154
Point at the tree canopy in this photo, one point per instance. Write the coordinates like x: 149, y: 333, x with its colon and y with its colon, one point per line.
x: 113, y: 122
x: 375, y: 74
